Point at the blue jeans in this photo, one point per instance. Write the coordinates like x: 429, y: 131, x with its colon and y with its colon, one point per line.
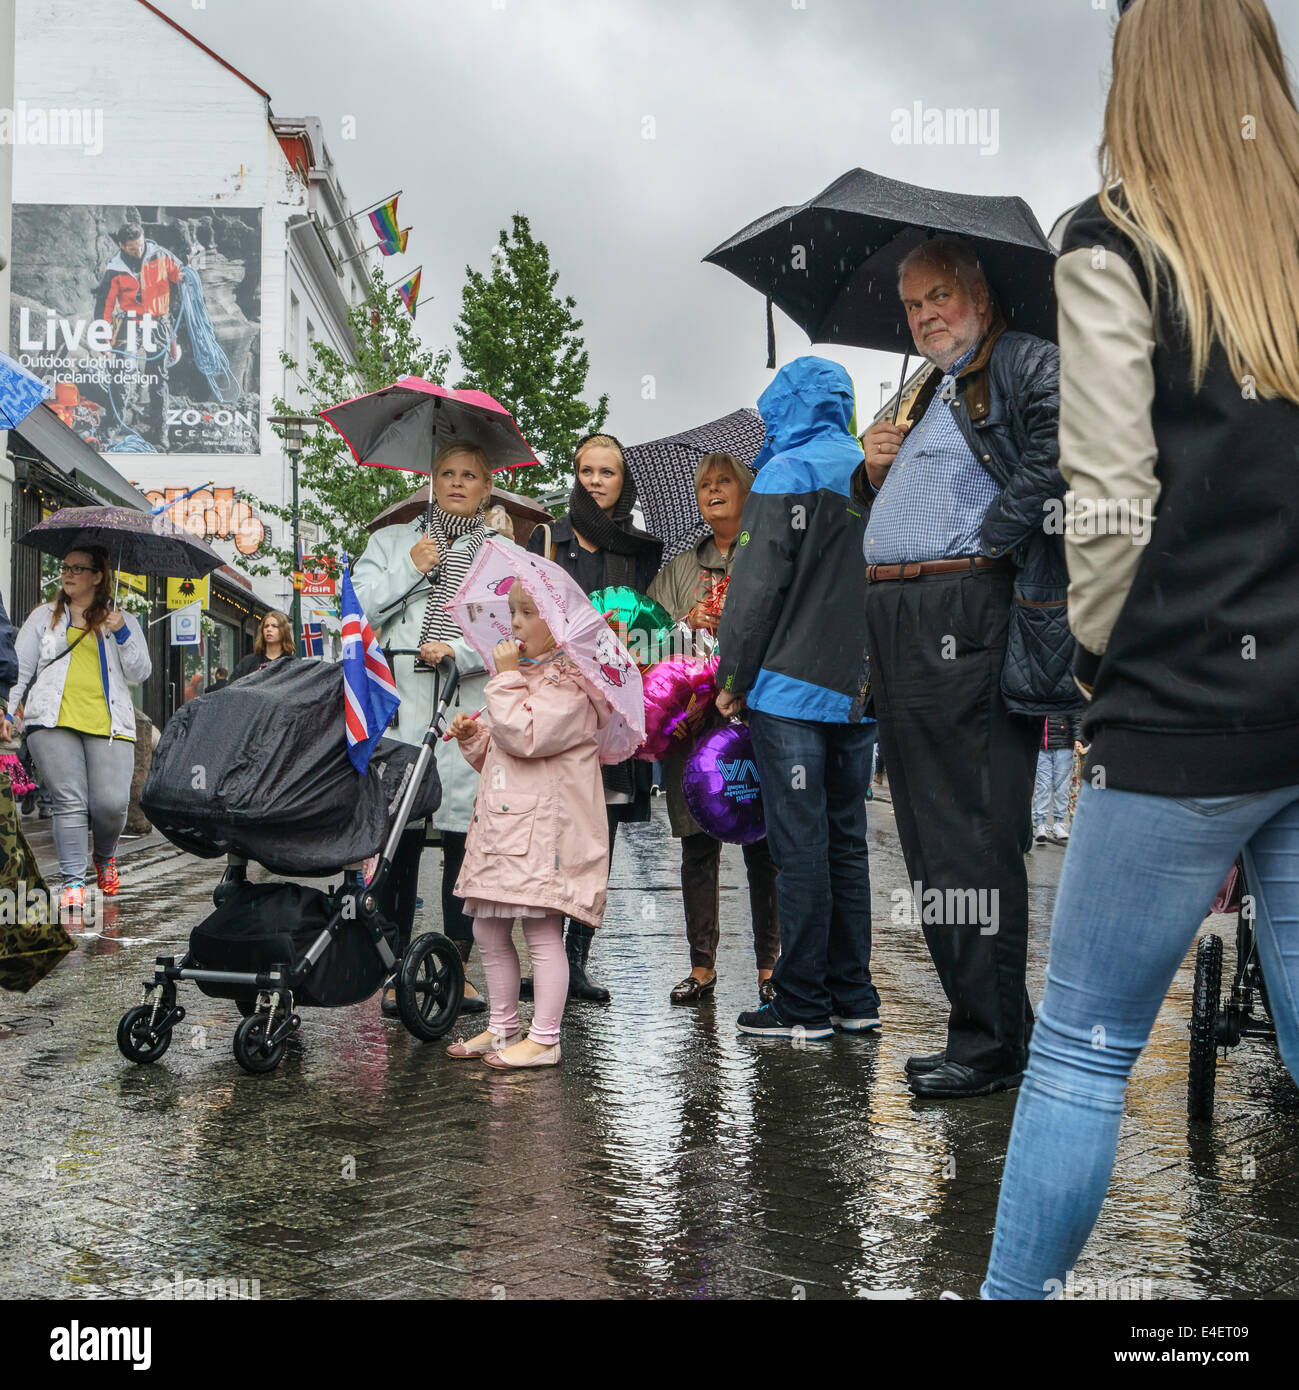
x: 814, y: 779
x: 1051, y: 787
x: 1138, y: 879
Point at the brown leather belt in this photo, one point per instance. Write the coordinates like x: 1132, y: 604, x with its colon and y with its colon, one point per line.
x: 914, y: 570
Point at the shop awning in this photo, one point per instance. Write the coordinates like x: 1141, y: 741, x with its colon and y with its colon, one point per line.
x: 72, y: 456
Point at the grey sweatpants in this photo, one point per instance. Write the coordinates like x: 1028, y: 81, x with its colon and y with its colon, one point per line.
x: 89, y: 781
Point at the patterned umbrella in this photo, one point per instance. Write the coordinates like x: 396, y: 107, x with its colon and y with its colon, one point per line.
x: 481, y: 609
x: 664, y: 471
x: 20, y: 393
x: 137, y: 542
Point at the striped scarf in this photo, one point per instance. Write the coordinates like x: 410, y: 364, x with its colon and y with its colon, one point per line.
x: 449, y: 574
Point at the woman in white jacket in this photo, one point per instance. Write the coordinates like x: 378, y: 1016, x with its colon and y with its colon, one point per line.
x: 75, y: 658
x: 405, y: 579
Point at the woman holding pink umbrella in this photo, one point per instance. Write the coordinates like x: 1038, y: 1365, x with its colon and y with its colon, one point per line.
x: 440, y: 546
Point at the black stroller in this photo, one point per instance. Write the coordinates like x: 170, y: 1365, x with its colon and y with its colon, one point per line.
x: 259, y: 771
x: 1245, y: 1012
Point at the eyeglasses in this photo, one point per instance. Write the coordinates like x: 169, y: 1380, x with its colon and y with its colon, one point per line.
x: 78, y: 569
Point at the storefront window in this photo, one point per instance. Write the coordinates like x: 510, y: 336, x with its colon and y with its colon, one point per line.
x: 222, y: 650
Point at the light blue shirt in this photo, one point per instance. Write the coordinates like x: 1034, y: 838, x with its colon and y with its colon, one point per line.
x: 933, y: 501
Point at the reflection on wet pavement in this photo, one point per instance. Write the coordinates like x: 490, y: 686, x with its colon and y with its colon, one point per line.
x: 667, y: 1157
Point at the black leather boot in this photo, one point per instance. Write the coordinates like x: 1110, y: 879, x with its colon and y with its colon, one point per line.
x: 577, y: 946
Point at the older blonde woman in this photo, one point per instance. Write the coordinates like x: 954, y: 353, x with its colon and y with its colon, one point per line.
x: 690, y: 587
x: 404, y: 581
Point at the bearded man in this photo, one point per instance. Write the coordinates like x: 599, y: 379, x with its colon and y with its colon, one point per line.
x: 969, y: 643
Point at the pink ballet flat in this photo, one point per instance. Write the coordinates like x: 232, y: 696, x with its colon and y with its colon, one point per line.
x: 548, y: 1058
x: 469, y: 1050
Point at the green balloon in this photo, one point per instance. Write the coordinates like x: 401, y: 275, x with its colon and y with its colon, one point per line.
x: 648, y: 624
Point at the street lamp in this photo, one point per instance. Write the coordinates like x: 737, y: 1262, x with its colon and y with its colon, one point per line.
x: 294, y: 434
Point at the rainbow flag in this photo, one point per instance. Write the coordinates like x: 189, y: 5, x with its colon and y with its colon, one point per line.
x: 409, y: 292
x: 384, y: 221
x: 389, y: 248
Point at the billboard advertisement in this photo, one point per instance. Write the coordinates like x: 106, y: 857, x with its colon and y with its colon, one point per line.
x: 145, y: 320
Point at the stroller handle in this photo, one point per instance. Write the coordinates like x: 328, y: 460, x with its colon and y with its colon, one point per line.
x: 447, y: 675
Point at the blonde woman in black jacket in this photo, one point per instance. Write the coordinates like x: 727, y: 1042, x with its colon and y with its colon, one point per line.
x: 1178, y: 288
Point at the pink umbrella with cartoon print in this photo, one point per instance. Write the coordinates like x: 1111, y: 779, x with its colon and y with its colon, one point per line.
x: 481, y: 610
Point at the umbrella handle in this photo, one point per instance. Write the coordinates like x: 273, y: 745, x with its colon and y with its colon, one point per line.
x: 902, y: 383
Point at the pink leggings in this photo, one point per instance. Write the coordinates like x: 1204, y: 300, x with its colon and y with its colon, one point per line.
x: 545, y: 938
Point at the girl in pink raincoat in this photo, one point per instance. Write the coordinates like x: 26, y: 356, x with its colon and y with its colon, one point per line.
x: 538, y: 845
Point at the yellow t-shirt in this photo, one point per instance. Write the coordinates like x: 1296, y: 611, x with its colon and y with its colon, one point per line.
x: 84, y: 706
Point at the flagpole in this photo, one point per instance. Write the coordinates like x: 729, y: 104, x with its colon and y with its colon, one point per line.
x: 351, y: 217
x: 402, y: 278
x: 349, y: 259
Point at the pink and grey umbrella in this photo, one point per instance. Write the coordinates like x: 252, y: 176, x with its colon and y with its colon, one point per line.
x: 481, y: 609
x: 137, y: 542
x: 404, y: 425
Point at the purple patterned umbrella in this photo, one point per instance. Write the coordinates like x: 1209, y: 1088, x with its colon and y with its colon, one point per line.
x: 137, y: 542
x: 664, y: 472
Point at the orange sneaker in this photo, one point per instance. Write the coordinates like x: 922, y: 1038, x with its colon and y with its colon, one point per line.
x: 72, y: 899
x: 106, y: 874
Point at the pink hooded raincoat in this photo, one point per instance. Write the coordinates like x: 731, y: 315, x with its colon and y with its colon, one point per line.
x: 538, y: 834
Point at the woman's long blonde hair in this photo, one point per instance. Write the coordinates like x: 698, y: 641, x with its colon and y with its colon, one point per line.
x: 1202, y: 132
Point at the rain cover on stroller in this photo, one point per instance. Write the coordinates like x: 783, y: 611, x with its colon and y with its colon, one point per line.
x: 260, y: 769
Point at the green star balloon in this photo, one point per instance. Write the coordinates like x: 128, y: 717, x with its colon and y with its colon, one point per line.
x: 648, y: 623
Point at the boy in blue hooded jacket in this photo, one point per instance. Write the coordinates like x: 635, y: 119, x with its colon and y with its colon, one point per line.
x: 793, y: 651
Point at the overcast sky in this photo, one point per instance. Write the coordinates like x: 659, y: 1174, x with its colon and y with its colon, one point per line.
x: 481, y: 108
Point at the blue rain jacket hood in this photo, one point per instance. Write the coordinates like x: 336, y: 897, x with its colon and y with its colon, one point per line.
x: 791, y: 637
x: 809, y: 399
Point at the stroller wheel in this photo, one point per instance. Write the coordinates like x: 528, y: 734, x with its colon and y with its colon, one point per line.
x: 430, y: 986
x: 136, y: 1041
x: 253, y: 1051
x: 1204, y: 1029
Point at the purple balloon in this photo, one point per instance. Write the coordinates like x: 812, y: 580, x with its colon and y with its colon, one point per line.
x: 678, y: 695
x: 720, y: 783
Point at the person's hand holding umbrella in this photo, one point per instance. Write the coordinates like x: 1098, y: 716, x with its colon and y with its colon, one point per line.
x: 424, y: 554
x: 880, y: 444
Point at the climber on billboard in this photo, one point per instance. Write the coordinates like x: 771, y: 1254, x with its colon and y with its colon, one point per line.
x: 135, y: 296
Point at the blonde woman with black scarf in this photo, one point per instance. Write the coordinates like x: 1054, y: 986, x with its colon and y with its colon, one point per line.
x: 404, y: 581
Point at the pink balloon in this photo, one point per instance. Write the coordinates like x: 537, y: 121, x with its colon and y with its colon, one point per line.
x: 678, y: 697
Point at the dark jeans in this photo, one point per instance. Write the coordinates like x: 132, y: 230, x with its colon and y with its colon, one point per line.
x: 961, y: 770
x: 403, y: 888
x: 814, y: 779
x: 701, y: 861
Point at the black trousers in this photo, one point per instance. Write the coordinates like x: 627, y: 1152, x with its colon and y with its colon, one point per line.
x: 403, y: 888
x: 961, y: 770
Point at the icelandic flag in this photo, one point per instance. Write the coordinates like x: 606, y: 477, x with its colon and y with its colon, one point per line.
x: 312, y: 640
x: 369, y: 692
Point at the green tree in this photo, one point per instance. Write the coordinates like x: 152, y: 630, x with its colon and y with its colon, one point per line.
x: 334, y: 493
x: 519, y: 341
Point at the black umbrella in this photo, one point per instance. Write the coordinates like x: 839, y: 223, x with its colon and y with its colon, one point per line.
x: 832, y: 264
x: 664, y: 473
x: 137, y: 542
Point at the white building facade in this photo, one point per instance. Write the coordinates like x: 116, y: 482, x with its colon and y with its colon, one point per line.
x: 164, y: 350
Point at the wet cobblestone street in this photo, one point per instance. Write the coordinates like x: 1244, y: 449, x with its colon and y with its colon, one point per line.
x: 667, y: 1157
